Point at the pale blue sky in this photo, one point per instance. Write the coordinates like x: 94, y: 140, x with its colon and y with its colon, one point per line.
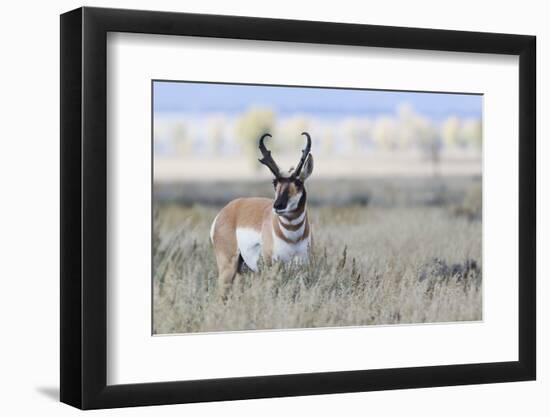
x: 232, y: 98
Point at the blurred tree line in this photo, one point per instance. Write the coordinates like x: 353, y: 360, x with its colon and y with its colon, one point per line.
x: 222, y: 134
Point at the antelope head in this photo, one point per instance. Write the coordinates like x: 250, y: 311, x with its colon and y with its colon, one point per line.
x: 290, y: 192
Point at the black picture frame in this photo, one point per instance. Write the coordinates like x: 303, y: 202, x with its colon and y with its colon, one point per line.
x: 84, y: 207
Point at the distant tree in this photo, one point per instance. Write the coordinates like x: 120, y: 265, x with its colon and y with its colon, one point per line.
x: 327, y: 141
x: 385, y: 133
x: 181, y: 139
x: 250, y: 126
x: 471, y: 133
x: 289, y: 133
x: 406, y: 126
x: 450, y: 132
x: 215, y: 133
x: 162, y: 137
x: 429, y: 139
x: 356, y: 132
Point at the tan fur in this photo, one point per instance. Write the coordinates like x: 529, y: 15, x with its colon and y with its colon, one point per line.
x: 254, y: 213
x: 242, y: 212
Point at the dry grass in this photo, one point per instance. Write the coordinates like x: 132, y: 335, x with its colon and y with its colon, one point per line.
x: 370, y: 266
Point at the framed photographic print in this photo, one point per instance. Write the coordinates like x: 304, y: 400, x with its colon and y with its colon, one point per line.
x: 256, y: 207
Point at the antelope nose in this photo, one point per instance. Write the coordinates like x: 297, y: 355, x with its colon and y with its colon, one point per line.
x: 278, y: 206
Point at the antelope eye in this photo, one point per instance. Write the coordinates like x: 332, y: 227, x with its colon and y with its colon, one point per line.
x: 275, y: 183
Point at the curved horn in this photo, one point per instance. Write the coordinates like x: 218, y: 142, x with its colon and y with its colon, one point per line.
x: 305, y: 153
x: 267, y: 159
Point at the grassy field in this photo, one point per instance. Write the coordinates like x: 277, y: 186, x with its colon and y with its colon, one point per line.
x: 372, y: 264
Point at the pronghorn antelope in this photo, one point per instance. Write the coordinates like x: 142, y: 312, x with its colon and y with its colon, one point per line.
x: 277, y: 229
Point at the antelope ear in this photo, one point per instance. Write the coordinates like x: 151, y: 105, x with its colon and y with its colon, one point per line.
x: 307, y: 169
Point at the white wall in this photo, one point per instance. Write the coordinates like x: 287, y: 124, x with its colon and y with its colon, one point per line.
x: 29, y: 212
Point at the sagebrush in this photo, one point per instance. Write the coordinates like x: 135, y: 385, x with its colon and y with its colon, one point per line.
x: 370, y: 266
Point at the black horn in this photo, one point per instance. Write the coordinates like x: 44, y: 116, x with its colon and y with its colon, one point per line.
x: 305, y: 153
x: 267, y: 159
